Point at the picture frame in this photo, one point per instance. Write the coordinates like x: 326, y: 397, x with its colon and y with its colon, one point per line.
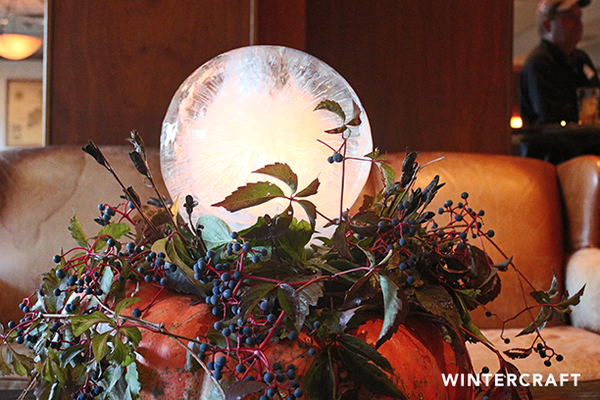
x: 24, y: 110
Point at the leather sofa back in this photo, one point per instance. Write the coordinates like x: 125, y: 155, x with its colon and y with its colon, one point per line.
x: 522, y: 204
x: 41, y: 189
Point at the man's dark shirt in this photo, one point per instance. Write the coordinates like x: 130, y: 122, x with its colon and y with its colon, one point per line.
x: 549, y: 82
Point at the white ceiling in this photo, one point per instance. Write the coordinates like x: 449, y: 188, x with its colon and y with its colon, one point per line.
x: 526, y: 36
x: 23, y: 16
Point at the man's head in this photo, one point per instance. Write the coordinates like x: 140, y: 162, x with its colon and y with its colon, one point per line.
x: 559, y: 22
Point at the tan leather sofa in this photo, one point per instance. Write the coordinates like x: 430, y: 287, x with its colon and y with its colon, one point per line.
x: 541, y: 214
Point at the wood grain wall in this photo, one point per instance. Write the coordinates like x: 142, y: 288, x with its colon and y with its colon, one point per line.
x: 114, y: 65
x: 432, y: 75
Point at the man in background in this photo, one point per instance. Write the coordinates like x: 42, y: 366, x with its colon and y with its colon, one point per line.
x: 556, y: 68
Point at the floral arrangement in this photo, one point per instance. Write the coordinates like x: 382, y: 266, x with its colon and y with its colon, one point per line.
x: 265, y: 286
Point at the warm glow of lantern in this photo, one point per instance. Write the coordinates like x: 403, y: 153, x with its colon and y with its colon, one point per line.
x: 251, y: 107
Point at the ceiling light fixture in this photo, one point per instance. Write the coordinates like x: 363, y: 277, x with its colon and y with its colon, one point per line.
x: 15, y: 42
x: 14, y: 46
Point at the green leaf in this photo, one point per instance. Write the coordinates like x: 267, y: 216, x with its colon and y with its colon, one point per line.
x: 282, y: 172
x: 123, y: 304
x: 319, y: 382
x: 369, y: 375
x: 363, y: 349
x: 395, y: 304
x: 133, y: 381
x: 332, y: 106
x: 293, y: 242
x: 132, y: 333
x: 252, y: 194
x: 310, y: 190
x: 311, y: 212
x: 389, y: 176
x: 100, y: 345
x: 4, y: 367
x: 215, y: 233
x: 77, y: 232
x: 253, y: 296
x: 22, y: 364
x: 115, y: 229
x: 288, y: 299
x: 107, y: 280
x: 120, y: 351
x: 81, y: 323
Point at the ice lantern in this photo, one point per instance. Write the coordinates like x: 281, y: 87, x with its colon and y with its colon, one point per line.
x: 251, y: 107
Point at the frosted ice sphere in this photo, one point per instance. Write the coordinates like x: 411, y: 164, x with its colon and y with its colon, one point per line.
x: 251, y: 107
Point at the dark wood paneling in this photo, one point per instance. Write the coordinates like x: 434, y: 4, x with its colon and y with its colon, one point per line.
x: 432, y: 75
x: 114, y: 65
x: 282, y: 23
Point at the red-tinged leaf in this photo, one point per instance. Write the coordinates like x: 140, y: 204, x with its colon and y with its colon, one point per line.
x: 395, y: 304
x: 252, y: 194
x: 240, y: 389
x: 339, y: 129
x: 282, y: 172
x: 332, y: 106
x: 508, y: 392
x: 311, y: 212
x: 540, y: 322
x: 565, y: 305
x: 310, y: 190
x: 518, y: 353
x: 355, y: 119
x: 364, y: 289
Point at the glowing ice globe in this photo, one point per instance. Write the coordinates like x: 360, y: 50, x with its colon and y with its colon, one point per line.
x: 254, y: 106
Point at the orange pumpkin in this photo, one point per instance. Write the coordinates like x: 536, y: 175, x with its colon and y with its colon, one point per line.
x: 417, y: 352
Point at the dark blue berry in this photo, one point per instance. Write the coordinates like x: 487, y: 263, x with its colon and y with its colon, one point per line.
x: 111, y: 242
x: 410, y: 280
x: 338, y: 157
x: 60, y: 273
x: 246, y: 247
x: 268, y: 377
x: 136, y: 312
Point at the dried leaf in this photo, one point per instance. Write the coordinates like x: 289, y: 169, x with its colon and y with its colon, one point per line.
x: 95, y: 152
x: 138, y: 162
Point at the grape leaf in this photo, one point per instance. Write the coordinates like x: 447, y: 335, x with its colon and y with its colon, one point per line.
x: 252, y: 296
x: 250, y: 195
x: 215, y: 232
x: 288, y: 299
x: 81, y: 323
x: 282, y: 172
x: 363, y: 349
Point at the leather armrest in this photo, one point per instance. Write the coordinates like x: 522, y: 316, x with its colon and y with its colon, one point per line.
x: 579, y: 181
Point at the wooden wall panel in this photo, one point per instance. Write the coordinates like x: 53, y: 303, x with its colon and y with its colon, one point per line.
x: 282, y: 23
x: 114, y: 65
x: 432, y: 75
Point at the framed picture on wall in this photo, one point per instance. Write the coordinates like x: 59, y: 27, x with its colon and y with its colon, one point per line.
x: 24, y: 113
